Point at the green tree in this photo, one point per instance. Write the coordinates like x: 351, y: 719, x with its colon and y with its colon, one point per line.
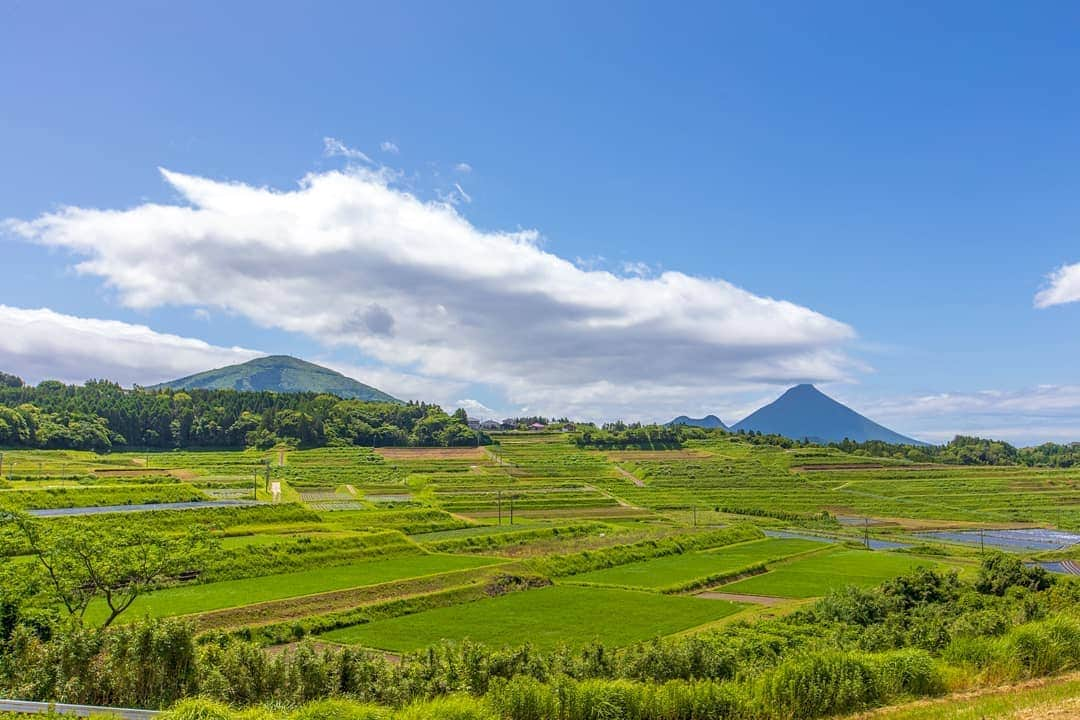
x: 80, y: 561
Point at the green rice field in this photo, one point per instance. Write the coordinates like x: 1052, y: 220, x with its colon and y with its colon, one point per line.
x: 546, y: 618
x: 674, y: 570
x: 190, y: 599
x: 819, y: 573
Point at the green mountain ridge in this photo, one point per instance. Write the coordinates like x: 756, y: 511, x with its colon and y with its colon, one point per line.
x: 279, y: 373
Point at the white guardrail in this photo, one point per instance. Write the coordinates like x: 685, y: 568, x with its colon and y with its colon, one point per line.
x: 27, y: 707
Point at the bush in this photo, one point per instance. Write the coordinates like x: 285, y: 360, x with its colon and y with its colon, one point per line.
x: 821, y: 684
x: 1044, y: 648
x: 908, y: 672
x: 999, y: 572
x: 452, y: 707
x: 335, y: 709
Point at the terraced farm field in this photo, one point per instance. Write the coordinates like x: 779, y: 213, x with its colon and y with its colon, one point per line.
x: 819, y: 573
x: 546, y: 618
x: 769, y: 481
x: 377, y: 554
x: 233, y: 593
x: 679, y: 571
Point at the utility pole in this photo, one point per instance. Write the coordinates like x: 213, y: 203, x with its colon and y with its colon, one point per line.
x: 694, y: 510
x: 511, y: 509
x: 500, y: 507
x: 866, y: 532
x: 982, y: 544
x: 1, y: 463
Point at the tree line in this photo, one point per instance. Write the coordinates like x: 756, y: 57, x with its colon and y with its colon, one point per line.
x: 101, y: 415
x: 961, y: 450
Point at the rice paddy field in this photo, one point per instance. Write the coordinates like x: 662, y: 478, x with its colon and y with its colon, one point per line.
x: 546, y: 618
x: 816, y: 575
x: 533, y: 538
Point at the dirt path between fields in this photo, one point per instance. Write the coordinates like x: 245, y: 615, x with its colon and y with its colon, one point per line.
x: 631, y: 476
x: 1020, y: 713
x: 738, y: 597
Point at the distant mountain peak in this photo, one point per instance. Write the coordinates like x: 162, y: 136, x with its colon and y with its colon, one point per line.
x: 804, y: 412
x: 279, y: 373
x: 709, y: 421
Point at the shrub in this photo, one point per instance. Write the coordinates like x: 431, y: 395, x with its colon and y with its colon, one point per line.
x: 821, y: 684
x: 452, y: 707
x: 908, y: 672
x: 198, y: 709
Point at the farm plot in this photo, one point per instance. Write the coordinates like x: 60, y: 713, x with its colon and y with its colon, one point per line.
x: 546, y: 618
x: 817, y: 574
x: 329, y: 500
x: 100, y: 496
x: 759, y: 481
x: 191, y: 599
x: 696, y: 569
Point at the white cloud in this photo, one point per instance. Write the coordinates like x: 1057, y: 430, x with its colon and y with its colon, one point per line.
x: 403, y: 385
x: 1063, y: 286
x: 462, y: 194
x: 1024, y: 417
x: 474, y: 408
x: 45, y: 345
x: 332, y: 147
x: 389, y: 147
x: 448, y: 300
x: 463, y: 167
x: 640, y: 269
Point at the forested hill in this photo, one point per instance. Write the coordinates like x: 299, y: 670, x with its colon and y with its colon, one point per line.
x: 279, y: 373
x: 101, y: 415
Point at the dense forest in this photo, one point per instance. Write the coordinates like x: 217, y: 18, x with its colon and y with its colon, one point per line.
x: 101, y: 415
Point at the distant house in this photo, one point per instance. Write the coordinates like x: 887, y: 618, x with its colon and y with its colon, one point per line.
x: 474, y: 424
x: 508, y: 424
x: 569, y: 427
x: 538, y: 426
x: 490, y: 425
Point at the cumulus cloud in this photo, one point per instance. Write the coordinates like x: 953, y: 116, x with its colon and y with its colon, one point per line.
x: 1063, y: 286
x: 350, y: 260
x: 389, y: 147
x: 45, y: 345
x: 1026, y: 416
x: 463, y: 167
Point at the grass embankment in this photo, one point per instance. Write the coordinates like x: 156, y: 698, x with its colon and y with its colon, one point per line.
x: 1049, y: 699
x: 547, y: 618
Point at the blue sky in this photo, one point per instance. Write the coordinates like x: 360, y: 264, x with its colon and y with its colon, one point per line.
x: 907, y: 175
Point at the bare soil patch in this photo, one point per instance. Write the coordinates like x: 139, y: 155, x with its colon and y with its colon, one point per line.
x: 575, y: 512
x: 126, y: 472
x: 399, y: 453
